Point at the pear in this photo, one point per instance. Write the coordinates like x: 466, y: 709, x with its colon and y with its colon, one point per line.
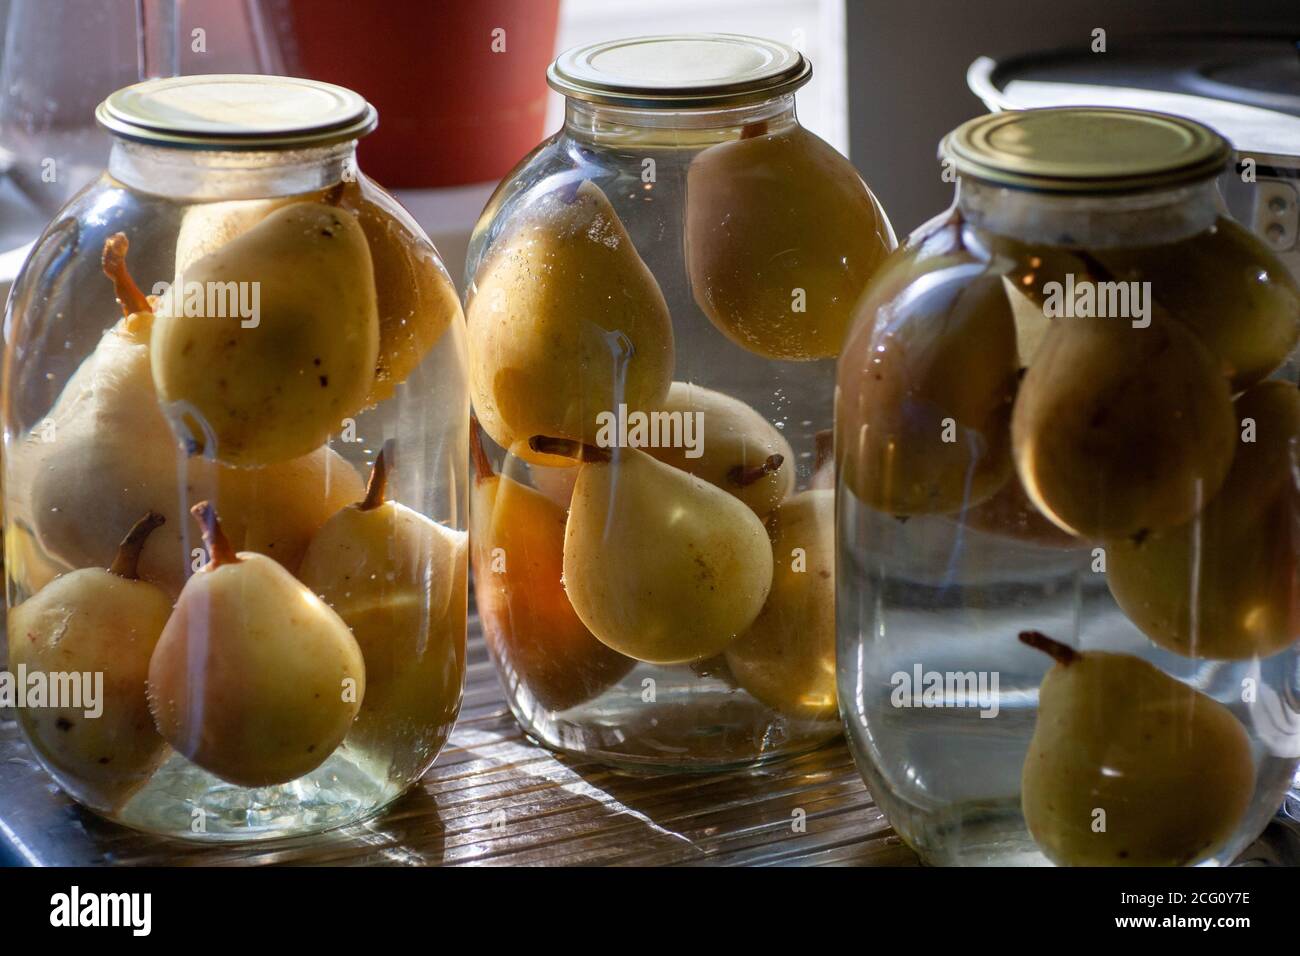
x: 1121, y: 430
x: 926, y: 383
x: 742, y: 453
x: 254, y: 679
x: 206, y: 227
x: 1229, y: 289
x: 27, y: 564
x: 1224, y: 584
x: 105, y: 455
x: 263, y: 389
x: 660, y: 565
x: 787, y: 657
x: 538, y: 640
x: 417, y: 301
x: 415, y: 298
x: 1129, y: 767
x: 104, y: 623
x: 388, y: 571
x: 565, y: 322
x: 772, y: 215
x: 555, y: 482
x: 1010, y: 514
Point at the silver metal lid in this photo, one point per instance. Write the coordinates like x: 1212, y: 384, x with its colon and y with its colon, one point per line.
x: 1085, y: 149
x: 685, y: 71
x: 237, y: 112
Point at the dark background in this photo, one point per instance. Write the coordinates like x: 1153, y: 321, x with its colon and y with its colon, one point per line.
x: 907, y: 63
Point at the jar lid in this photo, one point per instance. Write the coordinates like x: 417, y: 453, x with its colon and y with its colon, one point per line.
x: 236, y: 112
x: 1085, y: 149
x: 683, y: 71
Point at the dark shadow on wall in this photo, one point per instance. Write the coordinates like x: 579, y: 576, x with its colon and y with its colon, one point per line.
x: 907, y: 70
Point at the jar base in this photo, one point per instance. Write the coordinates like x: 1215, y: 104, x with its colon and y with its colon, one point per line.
x: 702, y: 729
x: 994, y: 834
x: 186, y: 802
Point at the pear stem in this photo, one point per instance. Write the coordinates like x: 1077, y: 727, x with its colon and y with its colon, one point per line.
x: 113, y: 261
x: 824, y: 441
x: 1061, y: 653
x: 218, y: 546
x: 753, y: 130
x: 742, y: 476
x: 568, y: 448
x: 126, y: 563
x: 482, y: 463
x: 377, y: 486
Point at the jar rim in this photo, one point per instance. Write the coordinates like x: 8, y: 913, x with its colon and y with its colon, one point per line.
x: 1085, y: 150
x: 235, y: 112
x: 679, y: 71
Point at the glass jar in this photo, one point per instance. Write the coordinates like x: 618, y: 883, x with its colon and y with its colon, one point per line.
x: 1066, y: 431
x: 235, y: 504
x: 656, y: 296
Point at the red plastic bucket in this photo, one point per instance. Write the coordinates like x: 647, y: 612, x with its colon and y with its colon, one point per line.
x: 460, y: 87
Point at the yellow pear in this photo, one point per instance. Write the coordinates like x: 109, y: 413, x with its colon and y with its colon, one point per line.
x: 1223, y: 585
x: 787, y: 657
x: 1129, y: 767
x: 206, y: 227
x: 1118, y: 429
x: 781, y: 238
x: 105, y: 454
x: 660, y: 565
x: 27, y: 564
x: 388, y: 571
x: 1239, y: 298
x: 536, y: 637
x: 271, y: 385
x: 254, y: 679
x: 565, y: 322
x: 104, y: 623
x: 1011, y: 514
x: 742, y: 452
x: 926, y: 383
x: 417, y: 300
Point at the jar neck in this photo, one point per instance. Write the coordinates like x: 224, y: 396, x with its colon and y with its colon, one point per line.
x: 1096, y: 221
x: 204, y: 175
x: 621, y: 125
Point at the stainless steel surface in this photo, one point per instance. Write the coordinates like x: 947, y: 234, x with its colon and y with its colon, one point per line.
x: 495, y: 798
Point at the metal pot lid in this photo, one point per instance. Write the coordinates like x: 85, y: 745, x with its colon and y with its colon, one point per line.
x: 684, y: 71
x: 1086, y: 150
x: 1247, y: 88
x: 237, y: 112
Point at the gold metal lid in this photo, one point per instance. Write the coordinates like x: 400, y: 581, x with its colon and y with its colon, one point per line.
x: 237, y: 112
x: 685, y: 71
x: 1085, y: 149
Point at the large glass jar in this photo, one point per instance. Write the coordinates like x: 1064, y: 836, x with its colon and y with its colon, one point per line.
x: 656, y: 297
x: 236, y: 423
x: 1066, y: 433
